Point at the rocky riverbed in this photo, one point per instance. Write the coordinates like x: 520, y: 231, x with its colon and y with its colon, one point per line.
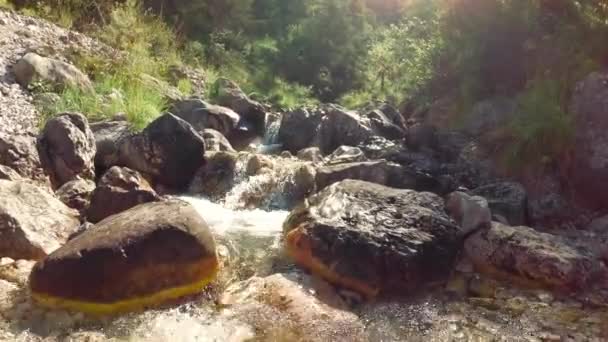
x: 230, y: 222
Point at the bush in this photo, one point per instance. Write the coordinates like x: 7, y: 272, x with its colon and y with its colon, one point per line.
x: 542, y: 130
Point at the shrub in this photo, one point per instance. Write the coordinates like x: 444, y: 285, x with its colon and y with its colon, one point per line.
x: 542, y: 130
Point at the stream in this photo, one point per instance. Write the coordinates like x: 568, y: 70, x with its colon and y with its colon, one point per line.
x: 468, y: 308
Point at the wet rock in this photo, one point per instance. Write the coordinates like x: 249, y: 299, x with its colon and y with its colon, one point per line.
x: 118, y: 190
x: 590, y: 165
x: 300, y: 186
x: 230, y: 95
x: 216, y: 177
x: 256, y: 163
x: 312, y: 154
x: 346, y: 154
x: 286, y: 155
x: 76, y: 194
x: 18, y: 151
x: 216, y: 142
x: 526, y: 256
x: 327, y: 128
x: 143, y: 257
x: 202, y: 115
x: 169, y: 150
x: 470, y: 212
x: 507, y: 199
x: 370, y: 238
x: 379, y: 172
x: 297, y: 129
x: 283, y: 307
x: 33, y: 223
x: 33, y: 67
x: 67, y: 149
x: 384, y: 126
x: 7, y: 173
x: 108, y: 137
x: 340, y: 127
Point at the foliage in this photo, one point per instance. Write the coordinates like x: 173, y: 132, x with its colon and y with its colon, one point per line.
x: 401, y: 59
x: 542, y: 130
x: 113, y: 94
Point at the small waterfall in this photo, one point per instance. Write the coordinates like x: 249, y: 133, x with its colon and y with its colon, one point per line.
x: 272, y: 131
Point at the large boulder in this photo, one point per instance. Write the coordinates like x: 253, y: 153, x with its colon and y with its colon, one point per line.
x: 119, y: 189
x: 19, y: 152
x: 67, y: 149
x: 507, y: 199
x: 291, y: 307
x: 142, y: 257
x: 33, y: 223
x: 202, y: 115
x: 590, y: 163
x: 33, y: 67
x: 379, y: 172
x: 340, y: 127
x: 169, y: 150
x: 252, y: 112
x: 108, y: 137
x: 526, y: 256
x: 370, y: 238
x: 297, y: 129
x: 76, y: 194
x: 327, y: 128
x: 216, y: 141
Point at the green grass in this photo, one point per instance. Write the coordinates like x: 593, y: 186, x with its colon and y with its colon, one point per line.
x: 113, y: 95
x: 6, y: 4
x: 542, y: 131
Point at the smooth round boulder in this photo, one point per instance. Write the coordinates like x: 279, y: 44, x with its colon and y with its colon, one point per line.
x: 373, y: 239
x: 146, y: 256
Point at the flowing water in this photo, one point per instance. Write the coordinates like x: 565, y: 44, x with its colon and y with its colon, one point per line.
x: 249, y: 245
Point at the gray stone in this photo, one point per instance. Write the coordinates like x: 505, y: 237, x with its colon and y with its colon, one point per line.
x: 216, y: 141
x: 470, y: 212
x: 67, y: 149
x: 33, y: 223
x: 33, y: 67
x: 76, y: 194
x: 522, y: 254
x: 508, y: 199
x: 202, y: 115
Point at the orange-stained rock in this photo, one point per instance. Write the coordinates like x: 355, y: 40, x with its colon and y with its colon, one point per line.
x: 371, y: 238
x: 142, y: 257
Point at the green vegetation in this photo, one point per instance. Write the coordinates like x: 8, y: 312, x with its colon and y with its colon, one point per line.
x: 410, y: 53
